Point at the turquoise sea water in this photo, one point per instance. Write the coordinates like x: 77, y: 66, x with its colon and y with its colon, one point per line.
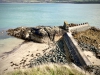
x: 15, y: 15
x: 31, y: 14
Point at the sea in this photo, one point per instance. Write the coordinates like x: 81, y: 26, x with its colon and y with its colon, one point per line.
x: 14, y: 15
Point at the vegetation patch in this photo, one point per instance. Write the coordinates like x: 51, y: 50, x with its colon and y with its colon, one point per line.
x: 50, y: 69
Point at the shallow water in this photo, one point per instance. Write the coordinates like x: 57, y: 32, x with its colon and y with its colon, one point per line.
x: 9, y: 44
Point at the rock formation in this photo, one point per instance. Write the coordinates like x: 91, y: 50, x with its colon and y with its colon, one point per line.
x: 89, y: 40
x: 42, y: 34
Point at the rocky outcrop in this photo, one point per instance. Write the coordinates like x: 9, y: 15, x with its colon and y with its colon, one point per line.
x: 42, y: 34
x: 89, y: 40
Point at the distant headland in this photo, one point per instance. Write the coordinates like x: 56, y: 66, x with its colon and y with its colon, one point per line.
x: 52, y: 1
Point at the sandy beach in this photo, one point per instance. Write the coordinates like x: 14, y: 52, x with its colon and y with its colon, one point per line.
x: 17, y: 54
x: 9, y: 44
x: 92, y: 58
x: 25, y: 52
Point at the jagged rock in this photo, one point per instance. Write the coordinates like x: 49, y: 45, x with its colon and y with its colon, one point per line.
x: 39, y: 34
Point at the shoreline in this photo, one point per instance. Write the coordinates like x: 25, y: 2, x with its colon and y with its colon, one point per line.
x: 8, y: 44
x: 50, y: 2
x: 30, y: 54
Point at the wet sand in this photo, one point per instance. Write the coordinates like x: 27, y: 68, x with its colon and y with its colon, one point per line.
x: 9, y: 44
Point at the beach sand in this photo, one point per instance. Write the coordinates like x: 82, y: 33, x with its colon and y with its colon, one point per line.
x: 26, y: 51
x: 92, y: 58
x: 13, y: 51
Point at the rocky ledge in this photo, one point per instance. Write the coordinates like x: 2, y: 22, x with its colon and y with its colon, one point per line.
x: 42, y: 34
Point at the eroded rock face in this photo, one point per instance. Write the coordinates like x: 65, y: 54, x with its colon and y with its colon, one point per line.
x: 39, y: 34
